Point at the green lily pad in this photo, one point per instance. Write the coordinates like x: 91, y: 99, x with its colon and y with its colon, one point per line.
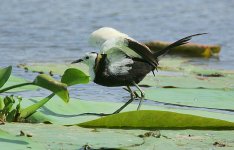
x: 53, y: 68
x: 180, y: 64
x: 11, y: 141
x: 13, y: 80
x: 150, y: 119
x: 190, y: 139
x: 57, y: 112
x: 209, y: 98
x: 74, y: 137
x: 189, y: 81
x: 176, y: 64
x: 172, y: 64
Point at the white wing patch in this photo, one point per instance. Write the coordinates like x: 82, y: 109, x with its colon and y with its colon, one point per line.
x: 121, y: 44
x: 118, y: 62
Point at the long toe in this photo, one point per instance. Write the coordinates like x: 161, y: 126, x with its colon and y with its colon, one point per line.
x: 142, y: 94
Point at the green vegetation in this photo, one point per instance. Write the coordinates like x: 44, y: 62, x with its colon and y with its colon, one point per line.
x: 11, y: 112
x: 181, y: 84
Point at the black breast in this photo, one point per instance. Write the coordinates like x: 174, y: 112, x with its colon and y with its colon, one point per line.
x: 139, y: 69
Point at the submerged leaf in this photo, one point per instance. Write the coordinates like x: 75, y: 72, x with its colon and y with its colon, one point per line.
x: 148, y: 119
x: 4, y: 75
x: 74, y: 76
x: 56, y: 87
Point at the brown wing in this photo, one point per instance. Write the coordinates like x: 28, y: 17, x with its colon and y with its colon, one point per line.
x: 143, y: 51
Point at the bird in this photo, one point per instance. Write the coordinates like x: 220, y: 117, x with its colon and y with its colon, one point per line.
x: 122, y: 60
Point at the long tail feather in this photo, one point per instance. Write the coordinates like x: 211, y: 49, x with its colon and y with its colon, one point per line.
x: 175, y: 44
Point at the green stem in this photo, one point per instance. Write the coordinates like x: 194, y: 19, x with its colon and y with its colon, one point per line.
x: 15, y: 86
x: 33, y: 108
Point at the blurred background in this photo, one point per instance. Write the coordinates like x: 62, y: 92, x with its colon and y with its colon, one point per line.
x: 58, y: 31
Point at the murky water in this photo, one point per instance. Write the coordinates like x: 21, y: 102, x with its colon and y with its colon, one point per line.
x: 57, y: 31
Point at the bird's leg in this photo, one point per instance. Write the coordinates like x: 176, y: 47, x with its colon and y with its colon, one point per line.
x: 128, y: 102
x: 122, y: 107
x: 133, y: 93
x: 142, y: 95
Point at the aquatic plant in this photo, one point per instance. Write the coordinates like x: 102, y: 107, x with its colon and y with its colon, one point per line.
x: 11, y: 112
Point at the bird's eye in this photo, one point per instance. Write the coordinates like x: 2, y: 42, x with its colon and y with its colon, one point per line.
x: 87, y: 57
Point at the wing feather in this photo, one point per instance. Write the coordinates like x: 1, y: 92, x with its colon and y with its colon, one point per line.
x: 142, y: 50
x: 130, y: 48
x: 118, y: 62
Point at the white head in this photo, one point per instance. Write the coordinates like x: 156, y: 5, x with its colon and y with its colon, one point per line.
x: 88, y: 59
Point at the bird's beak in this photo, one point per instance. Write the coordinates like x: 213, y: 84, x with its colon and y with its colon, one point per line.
x: 77, y: 61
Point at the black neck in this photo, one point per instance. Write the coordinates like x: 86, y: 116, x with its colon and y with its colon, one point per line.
x: 99, y: 63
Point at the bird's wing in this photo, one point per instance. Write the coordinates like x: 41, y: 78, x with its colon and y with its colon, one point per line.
x: 118, y: 62
x: 99, y: 36
x: 120, y: 44
x: 107, y: 38
x: 130, y: 47
x: 142, y: 50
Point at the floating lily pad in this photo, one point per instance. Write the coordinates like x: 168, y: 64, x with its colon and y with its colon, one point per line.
x: 73, y: 138
x: 179, y: 64
x: 175, y: 64
x: 189, y: 81
x: 150, y: 119
x: 209, y: 98
x: 60, y: 137
x: 13, y: 80
x: 57, y: 112
x: 14, y: 141
x: 53, y: 68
